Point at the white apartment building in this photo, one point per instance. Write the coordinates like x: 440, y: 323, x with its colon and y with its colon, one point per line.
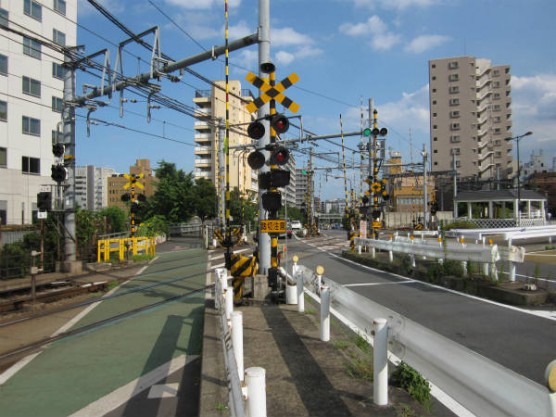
x: 31, y: 98
x: 91, y: 187
x: 470, y: 117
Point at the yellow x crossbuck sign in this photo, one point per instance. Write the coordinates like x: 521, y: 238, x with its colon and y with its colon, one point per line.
x: 269, y: 92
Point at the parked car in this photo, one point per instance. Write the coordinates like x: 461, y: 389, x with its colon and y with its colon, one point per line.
x: 296, y: 225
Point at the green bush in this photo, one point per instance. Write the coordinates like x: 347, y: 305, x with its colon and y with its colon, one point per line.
x: 407, y: 378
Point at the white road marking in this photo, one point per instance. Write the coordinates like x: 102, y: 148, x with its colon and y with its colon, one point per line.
x: 123, y: 394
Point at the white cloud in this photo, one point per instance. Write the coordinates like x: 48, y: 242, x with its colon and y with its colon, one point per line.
x: 396, y: 4
x: 202, y: 4
x: 239, y: 30
x: 288, y: 36
x: 284, y: 58
x: 425, y: 42
x: 534, y: 108
x: 375, y: 30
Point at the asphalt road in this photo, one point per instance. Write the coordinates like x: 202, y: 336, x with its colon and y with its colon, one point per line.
x: 516, y: 339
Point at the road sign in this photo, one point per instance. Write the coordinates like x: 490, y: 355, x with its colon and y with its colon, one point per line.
x: 42, y: 215
x: 269, y: 92
x: 273, y: 226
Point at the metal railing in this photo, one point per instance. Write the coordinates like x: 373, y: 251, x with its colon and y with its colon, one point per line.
x: 482, y: 386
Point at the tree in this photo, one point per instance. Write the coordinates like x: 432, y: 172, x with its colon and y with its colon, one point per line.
x: 204, y: 198
x: 115, y: 219
x: 242, y: 210
x: 173, y: 196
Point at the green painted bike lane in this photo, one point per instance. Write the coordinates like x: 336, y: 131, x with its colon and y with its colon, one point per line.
x: 78, y: 370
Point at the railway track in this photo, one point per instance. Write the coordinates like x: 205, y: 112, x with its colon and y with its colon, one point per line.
x: 9, y: 357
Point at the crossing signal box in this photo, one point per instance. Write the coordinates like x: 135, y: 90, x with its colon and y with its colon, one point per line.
x: 59, y: 173
x: 44, y: 201
x: 272, y: 201
x: 58, y: 150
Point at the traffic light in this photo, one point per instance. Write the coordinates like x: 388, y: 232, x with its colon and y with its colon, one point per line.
x: 59, y: 173
x: 274, y: 179
x: 58, y: 150
x: 255, y: 130
x: 134, y: 207
x: 280, y: 123
x: 279, y: 156
x: 379, y: 132
x: 272, y: 201
x: 44, y: 201
x: 256, y: 160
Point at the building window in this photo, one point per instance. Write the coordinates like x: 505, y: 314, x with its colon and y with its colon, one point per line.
x: 455, y: 151
x: 58, y: 37
x: 3, y: 65
x: 57, y: 104
x: 60, y: 6
x: 4, y: 17
x: 58, y: 71
x: 3, y: 111
x: 31, y: 47
x: 454, y: 126
x: 3, y: 157
x: 33, y: 9
x: 31, y: 126
x: 453, y: 77
x: 30, y: 165
x: 454, y: 90
x: 454, y: 102
x: 455, y: 139
x: 31, y: 87
x: 454, y: 114
x: 453, y: 65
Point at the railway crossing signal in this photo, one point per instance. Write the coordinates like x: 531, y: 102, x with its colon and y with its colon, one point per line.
x: 272, y: 92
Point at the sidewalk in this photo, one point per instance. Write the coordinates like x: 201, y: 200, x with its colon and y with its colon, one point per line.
x: 304, y: 376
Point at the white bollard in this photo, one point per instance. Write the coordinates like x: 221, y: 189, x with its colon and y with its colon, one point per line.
x: 512, y: 266
x: 237, y: 341
x: 325, y: 313
x: 229, y: 294
x: 380, y: 362
x: 255, y: 381
x: 300, y: 294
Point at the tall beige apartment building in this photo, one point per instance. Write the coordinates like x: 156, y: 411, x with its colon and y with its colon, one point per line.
x: 470, y: 117
x: 211, y: 112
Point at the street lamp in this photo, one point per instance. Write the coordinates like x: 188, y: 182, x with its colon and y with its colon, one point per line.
x: 517, y: 139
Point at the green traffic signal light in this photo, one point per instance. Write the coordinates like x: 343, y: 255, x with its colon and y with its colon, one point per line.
x: 367, y: 132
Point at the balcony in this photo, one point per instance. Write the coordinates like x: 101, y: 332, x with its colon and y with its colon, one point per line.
x: 203, y: 150
x: 203, y: 163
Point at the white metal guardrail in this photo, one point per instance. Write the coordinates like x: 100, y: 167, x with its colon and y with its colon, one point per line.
x: 507, y: 233
x: 482, y: 386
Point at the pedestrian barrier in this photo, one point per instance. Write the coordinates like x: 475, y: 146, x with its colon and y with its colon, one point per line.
x: 248, y: 400
x: 482, y: 386
x: 125, y: 246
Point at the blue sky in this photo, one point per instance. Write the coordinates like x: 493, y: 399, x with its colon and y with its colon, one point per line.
x: 344, y: 51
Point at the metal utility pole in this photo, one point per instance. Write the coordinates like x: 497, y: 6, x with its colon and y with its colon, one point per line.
x: 221, y: 174
x: 68, y: 118
x: 264, y: 57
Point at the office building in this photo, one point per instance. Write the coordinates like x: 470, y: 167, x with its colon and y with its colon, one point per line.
x: 118, y: 184
x: 31, y: 99
x: 470, y: 117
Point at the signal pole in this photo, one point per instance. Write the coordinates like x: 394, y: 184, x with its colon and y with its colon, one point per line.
x: 264, y: 57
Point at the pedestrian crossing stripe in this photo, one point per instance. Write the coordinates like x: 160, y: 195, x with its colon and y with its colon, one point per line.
x: 269, y: 92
